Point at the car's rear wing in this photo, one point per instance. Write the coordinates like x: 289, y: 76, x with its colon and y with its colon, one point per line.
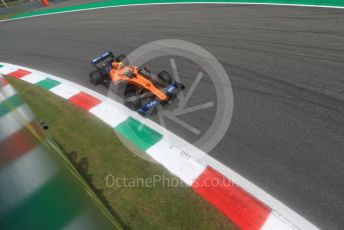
x: 104, y: 59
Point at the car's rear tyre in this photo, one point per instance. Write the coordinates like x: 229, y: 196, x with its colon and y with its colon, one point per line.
x: 134, y: 105
x: 122, y: 58
x: 131, y: 103
x: 165, y: 77
x: 96, y: 77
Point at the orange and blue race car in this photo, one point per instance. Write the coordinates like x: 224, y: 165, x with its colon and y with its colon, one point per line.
x: 141, y: 90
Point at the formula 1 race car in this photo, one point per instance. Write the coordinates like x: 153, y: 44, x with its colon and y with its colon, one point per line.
x: 141, y: 90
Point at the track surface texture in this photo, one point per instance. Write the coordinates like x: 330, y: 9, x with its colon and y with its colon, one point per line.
x: 286, y: 67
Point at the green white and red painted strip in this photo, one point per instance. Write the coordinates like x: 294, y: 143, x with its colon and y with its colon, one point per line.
x: 32, y: 180
x: 246, y: 205
x: 25, y: 167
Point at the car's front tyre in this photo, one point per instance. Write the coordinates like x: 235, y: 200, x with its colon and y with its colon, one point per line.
x: 165, y: 77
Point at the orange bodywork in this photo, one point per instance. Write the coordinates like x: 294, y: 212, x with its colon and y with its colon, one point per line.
x: 118, y: 73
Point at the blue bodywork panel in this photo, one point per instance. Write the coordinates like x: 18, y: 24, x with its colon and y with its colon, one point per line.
x: 148, y: 107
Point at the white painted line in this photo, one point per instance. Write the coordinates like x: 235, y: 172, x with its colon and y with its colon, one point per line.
x: 177, y: 162
x: 22, y: 178
x: 108, y: 114
x: 65, y: 91
x: 275, y: 222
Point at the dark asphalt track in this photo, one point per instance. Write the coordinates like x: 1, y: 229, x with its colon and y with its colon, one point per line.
x: 287, y: 72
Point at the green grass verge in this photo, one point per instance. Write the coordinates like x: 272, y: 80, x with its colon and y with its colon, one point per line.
x: 9, y: 15
x: 97, y: 152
